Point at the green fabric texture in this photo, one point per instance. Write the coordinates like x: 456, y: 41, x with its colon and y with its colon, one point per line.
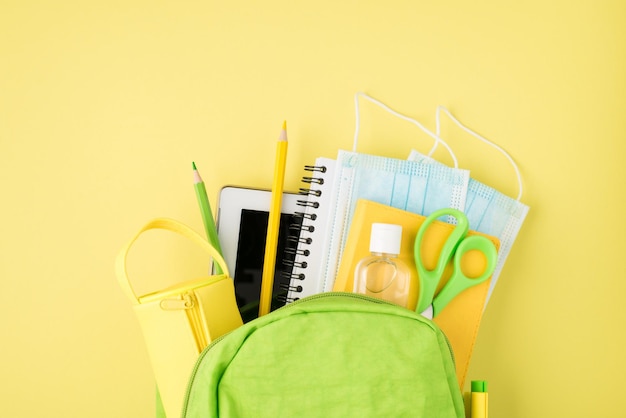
x: 328, y: 355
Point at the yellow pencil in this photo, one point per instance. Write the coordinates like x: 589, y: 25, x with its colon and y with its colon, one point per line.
x: 273, y: 225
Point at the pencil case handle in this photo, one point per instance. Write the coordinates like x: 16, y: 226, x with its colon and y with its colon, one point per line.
x: 168, y: 225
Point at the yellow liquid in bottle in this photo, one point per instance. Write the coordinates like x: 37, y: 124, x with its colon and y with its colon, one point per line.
x: 384, y: 277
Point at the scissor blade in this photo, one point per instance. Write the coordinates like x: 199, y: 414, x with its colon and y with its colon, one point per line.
x: 428, y: 312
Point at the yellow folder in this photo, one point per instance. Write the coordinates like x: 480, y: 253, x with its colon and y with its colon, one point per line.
x: 460, y: 319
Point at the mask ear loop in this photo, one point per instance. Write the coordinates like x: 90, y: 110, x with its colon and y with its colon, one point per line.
x: 401, y: 116
x: 485, y: 140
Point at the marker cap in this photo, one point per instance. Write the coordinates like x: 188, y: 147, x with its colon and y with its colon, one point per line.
x: 479, y: 386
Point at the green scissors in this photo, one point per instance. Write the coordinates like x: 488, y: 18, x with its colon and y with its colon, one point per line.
x: 456, y: 245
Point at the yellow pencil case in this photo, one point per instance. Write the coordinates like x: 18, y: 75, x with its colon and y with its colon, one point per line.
x: 180, y: 321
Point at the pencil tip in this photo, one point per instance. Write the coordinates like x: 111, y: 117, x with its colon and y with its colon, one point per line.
x: 283, y: 132
x: 284, y: 125
x: 194, y: 165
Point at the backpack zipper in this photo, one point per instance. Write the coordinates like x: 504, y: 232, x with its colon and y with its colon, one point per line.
x: 375, y: 300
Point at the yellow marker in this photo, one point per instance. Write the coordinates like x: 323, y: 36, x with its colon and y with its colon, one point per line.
x: 273, y: 225
x: 480, y: 399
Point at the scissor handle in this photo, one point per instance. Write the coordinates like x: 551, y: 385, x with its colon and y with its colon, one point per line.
x: 459, y: 281
x: 429, y: 279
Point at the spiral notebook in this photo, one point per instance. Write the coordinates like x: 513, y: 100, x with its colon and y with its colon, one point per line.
x: 309, y: 237
x: 330, y: 198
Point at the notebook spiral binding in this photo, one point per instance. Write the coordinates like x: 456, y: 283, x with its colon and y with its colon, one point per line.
x: 296, y: 250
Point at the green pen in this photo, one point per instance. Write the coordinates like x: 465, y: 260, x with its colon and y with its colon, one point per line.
x: 207, y: 214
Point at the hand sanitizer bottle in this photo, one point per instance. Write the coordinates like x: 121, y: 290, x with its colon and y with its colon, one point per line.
x: 382, y: 274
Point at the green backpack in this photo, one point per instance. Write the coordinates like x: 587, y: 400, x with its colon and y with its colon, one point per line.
x: 328, y: 355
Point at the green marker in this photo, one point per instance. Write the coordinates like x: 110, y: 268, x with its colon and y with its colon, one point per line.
x: 480, y: 399
x: 207, y: 214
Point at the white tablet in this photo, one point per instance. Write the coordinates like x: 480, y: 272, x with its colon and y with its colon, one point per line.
x: 242, y: 227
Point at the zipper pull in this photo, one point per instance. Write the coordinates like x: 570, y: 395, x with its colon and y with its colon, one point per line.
x: 175, y: 304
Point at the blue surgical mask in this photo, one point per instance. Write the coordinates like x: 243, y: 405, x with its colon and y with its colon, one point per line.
x: 414, y: 187
x: 407, y: 185
x: 488, y: 210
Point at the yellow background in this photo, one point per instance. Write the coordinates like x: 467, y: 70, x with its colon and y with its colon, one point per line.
x: 104, y: 104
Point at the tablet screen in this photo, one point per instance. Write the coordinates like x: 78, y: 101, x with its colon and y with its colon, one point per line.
x: 250, y: 255
x: 242, y: 229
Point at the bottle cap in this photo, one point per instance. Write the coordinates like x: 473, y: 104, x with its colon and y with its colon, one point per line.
x: 386, y: 238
